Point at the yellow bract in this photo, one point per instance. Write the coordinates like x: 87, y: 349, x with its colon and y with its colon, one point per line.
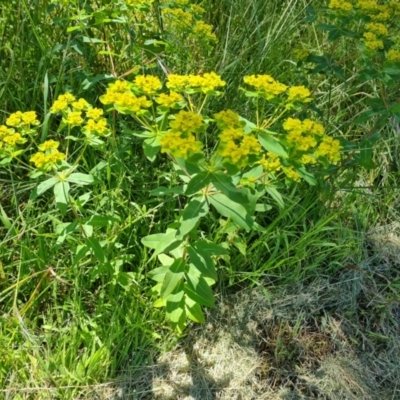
x: 168, y: 100
x: 266, y: 85
x: 46, y: 161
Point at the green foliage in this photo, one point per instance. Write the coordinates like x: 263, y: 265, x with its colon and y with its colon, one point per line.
x: 118, y: 138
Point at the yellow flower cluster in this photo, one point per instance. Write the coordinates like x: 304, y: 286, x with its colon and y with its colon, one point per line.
x: 177, y: 18
x: 119, y: 94
x: 197, y: 9
x: 235, y: 146
x: 148, y: 84
x: 62, y: 102
x: 48, y: 156
x: 330, y: 148
x: 204, y: 31
x: 168, y: 100
x: 300, y: 54
x: 187, y: 121
x: 180, y: 145
x: 9, y: 138
x: 97, y: 128
x: 375, y: 11
x: 309, y: 136
x: 266, y: 85
x: 377, y: 28
x: 73, y: 110
x: 272, y: 163
x: 300, y: 94
x: 340, y: 5
x: 20, y: 119
x: 138, y: 3
x: 180, y: 141
x: 378, y: 19
x: 393, y: 55
x: 227, y: 118
x: 74, y: 118
x: 207, y: 82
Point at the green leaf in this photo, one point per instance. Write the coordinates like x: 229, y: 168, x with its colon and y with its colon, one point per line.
x: 197, y: 289
x: 192, y: 213
x: 210, y: 249
x: 275, y: 195
x: 193, y: 311
x: 272, y: 145
x: 162, y: 242
x: 203, y: 263
x: 80, y: 179
x: 100, y: 220
x: 230, y: 209
x: 95, y: 246
x: 163, y: 191
x: 151, y: 147
x: 61, y: 190
x: 43, y: 187
x: 198, y: 182
x: 307, y: 176
x: 223, y: 182
x: 173, y: 277
x: 158, y: 274
x: 176, y: 310
x: 263, y: 207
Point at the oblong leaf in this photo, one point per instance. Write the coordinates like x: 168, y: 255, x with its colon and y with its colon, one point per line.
x: 173, y: 277
x: 272, y: 145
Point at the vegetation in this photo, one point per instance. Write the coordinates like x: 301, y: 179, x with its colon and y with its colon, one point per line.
x: 157, y: 156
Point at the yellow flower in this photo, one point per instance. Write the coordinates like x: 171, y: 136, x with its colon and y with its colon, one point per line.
x: 118, y: 87
x: 74, y: 118
x: 186, y: 121
x: 94, y: 113
x: 177, y: 18
x: 300, y: 54
x: 168, y: 100
x: 46, y: 161
x: 30, y: 118
x: 340, y: 5
x: 5, y: 131
x: 227, y: 118
x: 14, y: 119
x: 59, y: 105
x: 266, y: 85
x: 48, y: 145
x: 329, y: 148
x: 68, y: 97
x: 177, y: 82
x: 14, y: 139
x: 272, y: 163
x: 148, y: 84
x: 132, y: 103
x: 292, y: 174
x: 197, y: 9
x: 393, y: 55
x: 369, y: 36
x: 100, y: 127
x: 308, y: 159
x: 180, y: 145
x: 299, y: 93
x: 377, y: 28
x: 235, y: 150
x: 81, y: 104
x: 374, y: 44
x: 204, y: 31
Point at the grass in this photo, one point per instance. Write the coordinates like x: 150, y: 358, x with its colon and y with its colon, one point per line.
x: 310, y: 307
